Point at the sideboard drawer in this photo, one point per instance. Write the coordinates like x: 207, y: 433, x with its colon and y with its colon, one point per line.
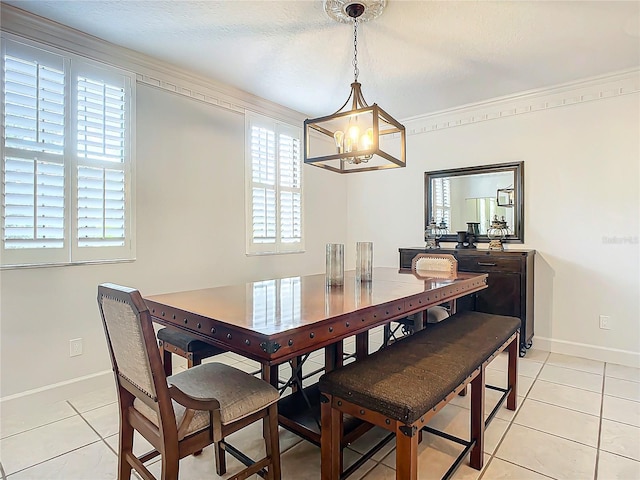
x: 489, y: 264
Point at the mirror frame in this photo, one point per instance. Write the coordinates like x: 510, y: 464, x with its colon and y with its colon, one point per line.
x: 518, y: 191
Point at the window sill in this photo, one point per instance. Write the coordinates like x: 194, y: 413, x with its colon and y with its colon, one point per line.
x: 65, y: 264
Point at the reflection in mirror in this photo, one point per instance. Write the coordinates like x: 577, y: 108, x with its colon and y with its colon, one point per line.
x: 479, y: 195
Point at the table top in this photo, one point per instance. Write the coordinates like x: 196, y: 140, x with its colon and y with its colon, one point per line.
x: 279, y: 305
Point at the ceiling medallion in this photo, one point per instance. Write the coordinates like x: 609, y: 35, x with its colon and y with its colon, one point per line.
x: 337, y: 9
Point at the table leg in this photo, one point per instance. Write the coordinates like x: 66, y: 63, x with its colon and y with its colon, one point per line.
x: 270, y: 374
x: 362, y: 344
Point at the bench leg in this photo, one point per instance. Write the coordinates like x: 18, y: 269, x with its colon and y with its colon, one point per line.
x: 477, y: 420
x: 513, y: 350
x: 406, y: 456
x: 330, y: 437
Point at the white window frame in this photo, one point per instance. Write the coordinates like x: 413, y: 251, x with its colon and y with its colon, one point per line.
x: 278, y: 246
x: 71, y: 252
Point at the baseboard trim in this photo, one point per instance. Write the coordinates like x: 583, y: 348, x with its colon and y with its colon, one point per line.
x: 62, y: 390
x: 584, y: 350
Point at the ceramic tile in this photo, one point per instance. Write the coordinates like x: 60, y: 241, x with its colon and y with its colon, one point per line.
x: 614, y: 467
x: 34, y: 446
x: 95, y: 462
x: 622, y: 389
x: 302, y: 462
x: 526, y: 367
x: 501, y: 362
x: 547, y: 454
x: 621, y: 410
x: 249, y: 367
x: 433, y: 463
x: 501, y: 470
x: 370, y: 439
x: 491, y: 398
x: 140, y: 444
x: 572, y: 378
x: 15, y: 419
x: 576, y: 363
x: 623, y: 372
x: 569, y: 424
x: 381, y: 472
x: 498, y: 378
x: 248, y: 440
x: 567, y: 397
x: 456, y: 421
x: 105, y: 420
x: 537, y: 355
x: 201, y: 466
x: 95, y: 399
x: 621, y: 439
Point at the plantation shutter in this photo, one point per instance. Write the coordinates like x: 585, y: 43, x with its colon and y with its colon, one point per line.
x: 102, y: 211
x: 33, y: 202
x: 290, y: 189
x: 263, y: 167
x: 442, y: 201
x: 274, y: 197
x: 101, y: 161
x: 66, y: 158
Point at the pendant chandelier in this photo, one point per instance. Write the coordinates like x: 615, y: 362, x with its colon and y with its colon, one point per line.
x: 357, y: 137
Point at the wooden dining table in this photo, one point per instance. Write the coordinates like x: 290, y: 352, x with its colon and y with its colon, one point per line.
x: 282, y: 320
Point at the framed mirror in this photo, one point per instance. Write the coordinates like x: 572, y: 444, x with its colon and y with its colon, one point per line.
x: 456, y: 197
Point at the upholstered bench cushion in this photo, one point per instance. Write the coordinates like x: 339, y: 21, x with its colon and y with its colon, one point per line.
x: 411, y: 376
x: 188, y: 343
x: 239, y: 394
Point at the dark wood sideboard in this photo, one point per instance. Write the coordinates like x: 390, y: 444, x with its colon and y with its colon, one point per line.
x: 510, y: 283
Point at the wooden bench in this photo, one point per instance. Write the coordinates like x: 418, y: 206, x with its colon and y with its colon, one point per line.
x: 401, y: 387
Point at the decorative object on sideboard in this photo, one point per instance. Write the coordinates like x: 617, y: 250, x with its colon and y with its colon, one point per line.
x: 434, y: 232
x: 364, y: 261
x: 352, y: 139
x: 473, y: 232
x: 462, y: 239
x: 497, y: 232
x: 334, y: 272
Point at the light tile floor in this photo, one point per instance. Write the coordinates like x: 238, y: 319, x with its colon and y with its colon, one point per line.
x: 577, y: 419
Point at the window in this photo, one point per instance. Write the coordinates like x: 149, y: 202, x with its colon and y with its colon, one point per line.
x: 442, y: 201
x: 66, y: 159
x: 274, y: 187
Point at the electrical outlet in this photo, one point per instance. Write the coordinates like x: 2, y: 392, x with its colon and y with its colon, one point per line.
x: 605, y: 322
x: 75, y: 347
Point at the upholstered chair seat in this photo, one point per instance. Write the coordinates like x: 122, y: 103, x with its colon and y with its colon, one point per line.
x: 239, y: 394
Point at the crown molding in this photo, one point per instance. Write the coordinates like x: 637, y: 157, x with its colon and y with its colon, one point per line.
x: 602, y: 87
x: 148, y: 70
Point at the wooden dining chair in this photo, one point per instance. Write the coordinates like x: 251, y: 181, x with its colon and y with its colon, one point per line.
x: 183, y: 413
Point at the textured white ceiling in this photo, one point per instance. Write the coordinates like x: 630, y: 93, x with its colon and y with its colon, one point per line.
x: 417, y: 57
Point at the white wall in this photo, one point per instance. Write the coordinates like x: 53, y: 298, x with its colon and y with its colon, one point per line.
x: 190, y: 234
x: 581, y: 167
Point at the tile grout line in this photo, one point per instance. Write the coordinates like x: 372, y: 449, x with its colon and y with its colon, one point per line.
x: 91, y: 427
x: 511, y: 423
x: 604, y: 377
x: 52, y: 458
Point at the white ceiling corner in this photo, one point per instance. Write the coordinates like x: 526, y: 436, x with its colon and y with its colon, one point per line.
x: 417, y: 57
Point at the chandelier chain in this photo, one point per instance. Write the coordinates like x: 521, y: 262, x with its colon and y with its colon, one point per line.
x: 356, y: 71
